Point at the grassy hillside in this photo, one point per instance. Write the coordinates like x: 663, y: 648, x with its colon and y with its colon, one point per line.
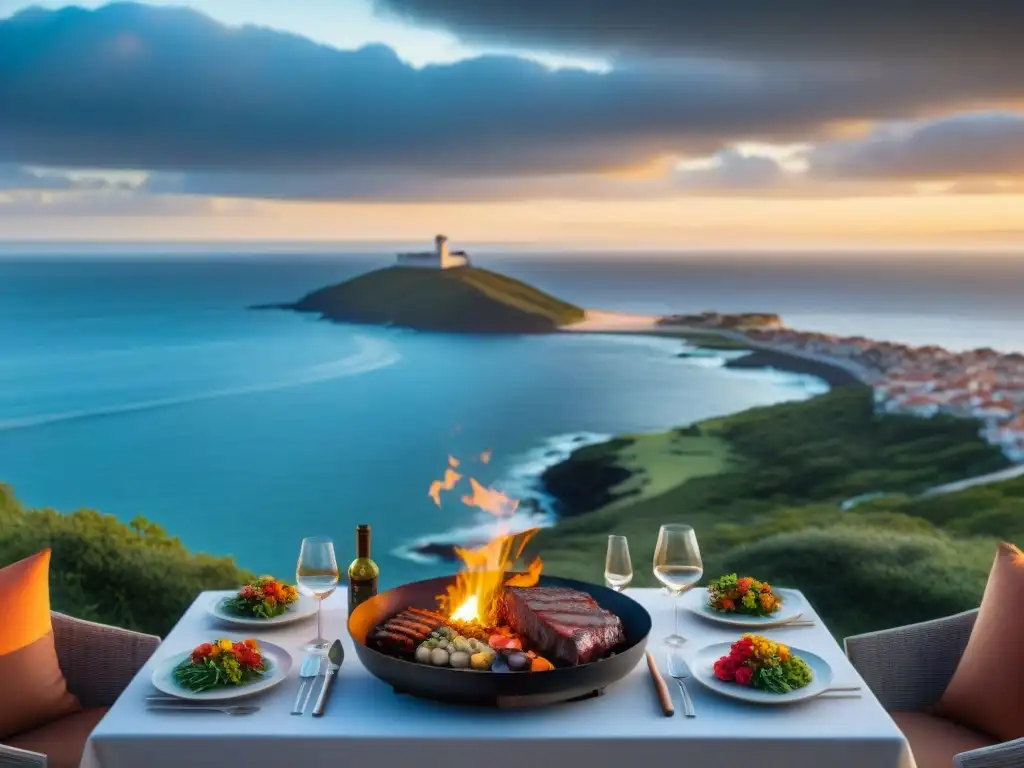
x: 762, y: 489
x: 465, y: 299
x: 985, y: 510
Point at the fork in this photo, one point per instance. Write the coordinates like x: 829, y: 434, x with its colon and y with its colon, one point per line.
x: 841, y: 692
x: 157, y: 703
x: 309, y: 671
x: 679, y: 671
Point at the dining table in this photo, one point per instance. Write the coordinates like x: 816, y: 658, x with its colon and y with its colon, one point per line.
x: 366, y: 723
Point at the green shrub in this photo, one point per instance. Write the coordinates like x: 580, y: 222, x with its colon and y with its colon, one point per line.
x: 864, y: 579
x: 134, y: 576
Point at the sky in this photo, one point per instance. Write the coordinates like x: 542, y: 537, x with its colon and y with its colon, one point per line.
x: 653, y: 124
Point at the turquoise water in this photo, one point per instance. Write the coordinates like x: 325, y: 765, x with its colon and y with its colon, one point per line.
x: 147, y: 387
x: 150, y: 389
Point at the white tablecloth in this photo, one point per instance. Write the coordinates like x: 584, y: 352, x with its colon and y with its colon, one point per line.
x: 367, y: 724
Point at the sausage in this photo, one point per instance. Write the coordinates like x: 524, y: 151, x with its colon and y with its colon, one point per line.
x: 398, y: 629
x: 400, y: 634
x: 412, y: 624
x: 414, y: 637
x: 389, y: 642
x: 425, y: 614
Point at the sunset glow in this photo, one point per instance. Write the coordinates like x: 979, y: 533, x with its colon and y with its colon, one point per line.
x: 710, y: 142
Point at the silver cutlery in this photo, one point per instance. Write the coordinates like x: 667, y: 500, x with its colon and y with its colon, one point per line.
x: 679, y: 671
x: 335, y: 656
x: 308, y: 673
x: 232, y: 711
x: 169, y: 703
x: 312, y: 683
x: 841, y: 692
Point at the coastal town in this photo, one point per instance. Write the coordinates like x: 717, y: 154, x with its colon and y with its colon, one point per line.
x: 981, y: 384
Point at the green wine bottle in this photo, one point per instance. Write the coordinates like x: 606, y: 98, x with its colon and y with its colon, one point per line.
x: 363, y: 573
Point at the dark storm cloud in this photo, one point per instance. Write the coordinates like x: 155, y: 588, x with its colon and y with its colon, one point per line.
x: 135, y: 87
x: 987, y: 35
x: 731, y: 172
x: 988, y: 144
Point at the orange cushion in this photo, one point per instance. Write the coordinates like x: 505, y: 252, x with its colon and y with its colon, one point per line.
x: 935, y: 741
x: 987, y: 689
x: 33, y: 691
x: 63, y: 741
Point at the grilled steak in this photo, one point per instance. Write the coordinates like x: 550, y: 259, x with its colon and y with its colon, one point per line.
x: 399, y: 635
x: 562, y: 624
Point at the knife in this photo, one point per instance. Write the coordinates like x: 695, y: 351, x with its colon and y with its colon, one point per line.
x: 335, y: 656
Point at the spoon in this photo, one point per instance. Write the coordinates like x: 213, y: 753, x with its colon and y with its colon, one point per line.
x: 335, y: 657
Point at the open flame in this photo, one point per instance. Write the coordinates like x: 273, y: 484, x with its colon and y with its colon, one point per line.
x: 478, y: 584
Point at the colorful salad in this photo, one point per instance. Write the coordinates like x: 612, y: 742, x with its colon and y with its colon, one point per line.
x: 264, y: 598
x: 760, y: 663
x: 220, y: 663
x: 746, y: 595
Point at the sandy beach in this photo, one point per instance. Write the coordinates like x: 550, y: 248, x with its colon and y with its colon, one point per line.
x: 601, y: 321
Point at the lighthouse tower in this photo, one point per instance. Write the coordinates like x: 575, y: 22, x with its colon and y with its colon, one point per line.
x: 441, y: 249
x: 439, y: 258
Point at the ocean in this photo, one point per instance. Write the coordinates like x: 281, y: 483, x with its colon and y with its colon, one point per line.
x: 144, y: 386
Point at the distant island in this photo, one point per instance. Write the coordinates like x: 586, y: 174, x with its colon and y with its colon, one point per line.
x: 440, y: 290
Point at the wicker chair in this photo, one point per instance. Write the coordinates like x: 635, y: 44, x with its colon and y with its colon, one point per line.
x: 908, y: 669
x: 98, y: 662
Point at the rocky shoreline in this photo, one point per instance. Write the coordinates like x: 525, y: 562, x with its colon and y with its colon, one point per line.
x: 583, y: 482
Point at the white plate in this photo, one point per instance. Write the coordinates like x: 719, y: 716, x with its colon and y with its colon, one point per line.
x: 277, y: 660
x: 696, y: 600
x: 702, y: 668
x: 301, y: 609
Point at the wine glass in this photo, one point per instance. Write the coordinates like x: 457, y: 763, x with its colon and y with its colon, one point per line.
x: 317, y: 575
x: 678, y: 566
x: 618, y: 569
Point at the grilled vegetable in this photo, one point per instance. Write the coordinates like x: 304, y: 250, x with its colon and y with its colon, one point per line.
x: 481, y: 661
x: 518, y: 662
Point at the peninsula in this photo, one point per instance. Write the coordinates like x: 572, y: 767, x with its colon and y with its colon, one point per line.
x: 440, y: 290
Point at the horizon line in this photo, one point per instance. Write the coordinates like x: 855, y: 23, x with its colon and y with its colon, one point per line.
x: 383, y: 248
